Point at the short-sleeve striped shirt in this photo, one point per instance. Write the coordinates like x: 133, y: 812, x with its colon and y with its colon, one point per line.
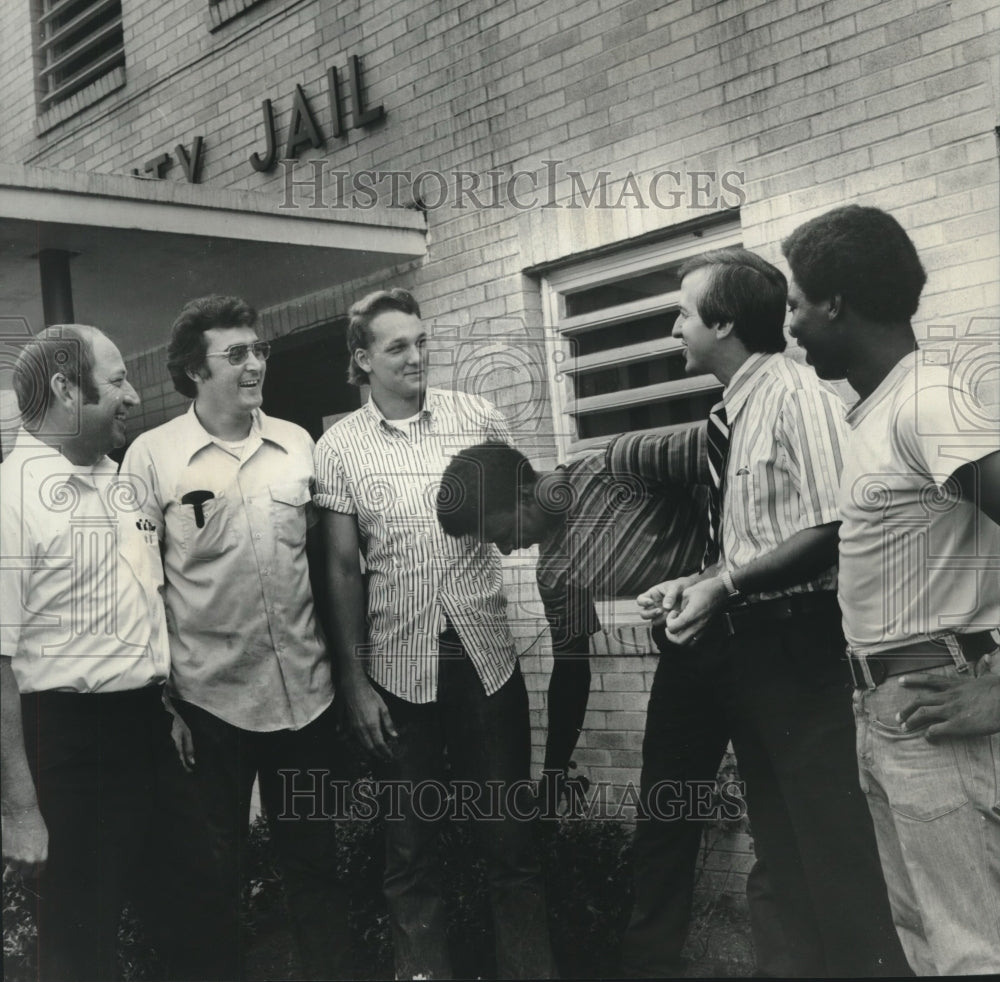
x: 784, y: 464
x: 387, y: 473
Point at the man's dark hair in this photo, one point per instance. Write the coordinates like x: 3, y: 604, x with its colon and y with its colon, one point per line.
x: 746, y: 290
x: 862, y: 255
x: 187, y: 349
x: 66, y: 349
x: 362, y: 314
x: 486, y: 479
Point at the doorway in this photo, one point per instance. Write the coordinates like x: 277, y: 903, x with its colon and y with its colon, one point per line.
x: 307, y: 377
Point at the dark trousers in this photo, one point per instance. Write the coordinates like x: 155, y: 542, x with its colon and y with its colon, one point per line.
x: 94, y: 759
x: 485, y: 739
x: 783, y: 696
x: 206, y: 819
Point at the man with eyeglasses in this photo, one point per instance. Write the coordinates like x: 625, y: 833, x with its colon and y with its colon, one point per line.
x: 230, y: 489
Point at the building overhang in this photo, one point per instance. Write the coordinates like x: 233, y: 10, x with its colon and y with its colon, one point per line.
x: 138, y: 248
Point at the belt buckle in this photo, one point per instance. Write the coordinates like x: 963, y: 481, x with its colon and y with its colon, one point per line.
x: 856, y: 670
x: 878, y: 670
x: 862, y: 668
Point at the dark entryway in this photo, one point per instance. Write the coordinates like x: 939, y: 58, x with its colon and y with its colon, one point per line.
x: 307, y: 377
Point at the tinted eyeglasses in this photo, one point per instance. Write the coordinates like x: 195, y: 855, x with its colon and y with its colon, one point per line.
x: 238, y: 353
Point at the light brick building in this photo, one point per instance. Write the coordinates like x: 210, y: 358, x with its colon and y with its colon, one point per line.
x: 567, y: 156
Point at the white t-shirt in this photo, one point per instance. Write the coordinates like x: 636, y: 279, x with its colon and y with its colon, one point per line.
x: 916, y: 559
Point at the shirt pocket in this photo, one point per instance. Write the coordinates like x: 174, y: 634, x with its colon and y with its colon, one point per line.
x: 288, y: 511
x: 214, y: 537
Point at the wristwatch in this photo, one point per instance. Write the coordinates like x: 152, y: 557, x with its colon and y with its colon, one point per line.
x: 732, y: 591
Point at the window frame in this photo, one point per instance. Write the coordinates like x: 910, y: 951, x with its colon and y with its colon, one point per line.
x: 571, y: 277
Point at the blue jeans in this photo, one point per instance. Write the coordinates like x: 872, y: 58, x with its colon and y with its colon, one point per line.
x: 936, y: 810
x: 485, y: 738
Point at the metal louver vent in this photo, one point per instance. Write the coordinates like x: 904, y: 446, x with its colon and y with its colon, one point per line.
x: 79, y: 41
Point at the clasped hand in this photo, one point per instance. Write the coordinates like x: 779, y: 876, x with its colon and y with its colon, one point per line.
x: 684, y: 606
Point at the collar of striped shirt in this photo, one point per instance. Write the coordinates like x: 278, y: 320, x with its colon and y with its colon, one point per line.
x: 743, y: 382
x: 392, y: 425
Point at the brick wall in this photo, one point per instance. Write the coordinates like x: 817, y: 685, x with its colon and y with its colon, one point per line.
x: 886, y: 102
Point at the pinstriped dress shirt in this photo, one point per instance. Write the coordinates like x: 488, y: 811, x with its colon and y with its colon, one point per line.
x: 387, y: 474
x: 784, y: 464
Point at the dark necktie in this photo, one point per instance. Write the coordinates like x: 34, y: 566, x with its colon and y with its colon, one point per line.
x: 718, y: 451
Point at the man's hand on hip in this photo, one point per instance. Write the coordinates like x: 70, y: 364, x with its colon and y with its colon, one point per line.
x: 952, y: 707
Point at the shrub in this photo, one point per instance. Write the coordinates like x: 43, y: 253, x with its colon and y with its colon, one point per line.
x: 586, y: 877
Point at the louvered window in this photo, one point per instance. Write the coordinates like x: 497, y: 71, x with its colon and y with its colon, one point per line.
x: 618, y: 369
x: 79, y: 42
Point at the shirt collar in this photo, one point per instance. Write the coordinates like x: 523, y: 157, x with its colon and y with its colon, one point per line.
x: 195, y: 437
x: 745, y: 379
x: 377, y: 417
x: 863, y: 407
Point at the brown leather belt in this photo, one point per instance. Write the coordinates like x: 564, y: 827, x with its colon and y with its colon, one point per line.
x: 749, y: 617
x: 919, y: 656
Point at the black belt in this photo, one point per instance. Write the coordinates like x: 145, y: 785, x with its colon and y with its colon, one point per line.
x: 919, y: 656
x: 749, y: 617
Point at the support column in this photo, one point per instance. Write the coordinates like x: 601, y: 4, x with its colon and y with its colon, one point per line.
x: 57, y: 286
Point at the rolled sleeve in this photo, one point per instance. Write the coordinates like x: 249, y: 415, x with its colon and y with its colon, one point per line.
x: 496, y: 426
x: 333, y: 487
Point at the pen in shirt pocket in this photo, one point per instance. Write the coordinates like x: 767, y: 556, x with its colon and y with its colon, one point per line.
x: 196, y: 499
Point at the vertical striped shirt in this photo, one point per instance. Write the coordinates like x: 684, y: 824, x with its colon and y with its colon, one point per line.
x: 785, y: 460
x: 635, y: 515
x: 387, y: 474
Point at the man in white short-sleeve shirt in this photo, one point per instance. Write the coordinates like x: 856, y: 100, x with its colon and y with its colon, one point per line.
x: 84, y: 653
x: 919, y: 585
x: 229, y: 488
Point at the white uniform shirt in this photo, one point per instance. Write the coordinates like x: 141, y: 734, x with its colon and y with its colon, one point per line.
x: 80, y: 585
x: 244, y: 640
